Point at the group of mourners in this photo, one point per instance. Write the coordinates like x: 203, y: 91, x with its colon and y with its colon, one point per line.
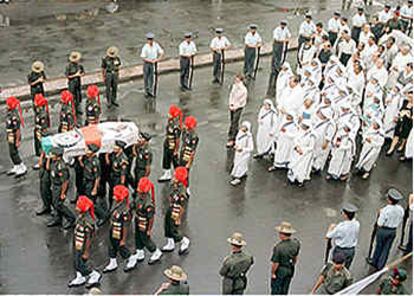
x: 352, y: 84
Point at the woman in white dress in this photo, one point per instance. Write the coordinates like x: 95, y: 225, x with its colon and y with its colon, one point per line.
x: 393, y: 104
x: 243, y: 148
x: 282, y: 80
x: 267, y: 125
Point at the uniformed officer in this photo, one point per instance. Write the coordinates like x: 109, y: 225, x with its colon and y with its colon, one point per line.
x: 187, y: 50
x: 189, y: 145
x: 119, y: 164
x: 36, y: 78
x: 252, y: 42
x: 393, y: 284
x: 110, y: 73
x: 171, y: 142
x: 151, y: 54
x: 93, y: 105
x: 345, y: 234
x: 235, y: 266
x: 218, y: 46
x: 91, y: 168
x: 281, y: 37
x: 144, y: 211
x: 74, y: 71
x: 178, y: 200
x: 284, y: 258
x: 14, y: 119
x: 67, y: 115
x: 306, y: 29
x: 82, y: 237
x: 120, y: 218
x: 334, y: 276
x: 59, y: 173
x: 390, y: 217
x: 177, y: 284
x: 143, y: 160
x: 42, y: 124
x: 44, y: 185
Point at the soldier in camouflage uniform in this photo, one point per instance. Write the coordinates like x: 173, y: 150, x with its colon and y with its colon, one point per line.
x: 42, y: 124
x: 177, y: 284
x: 178, y: 200
x: 393, y: 284
x: 334, y: 276
x: 13, y: 121
x: 119, y: 164
x: 82, y: 237
x: 110, y: 72
x: 93, y: 105
x: 74, y: 71
x: 120, y: 218
x: 171, y: 142
x: 284, y: 258
x: 67, y: 115
x: 143, y: 158
x: 235, y: 266
x: 144, y: 211
x: 189, y: 145
x: 36, y: 78
x: 59, y: 173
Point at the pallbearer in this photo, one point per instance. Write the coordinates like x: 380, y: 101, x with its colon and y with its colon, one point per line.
x: 42, y: 124
x: 67, y: 115
x: 189, y: 145
x: 93, y: 105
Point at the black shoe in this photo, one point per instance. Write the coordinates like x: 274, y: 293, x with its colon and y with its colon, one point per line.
x: 69, y: 225
x: 79, y: 112
x: 215, y: 81
x: 43, y: 211
x: 109, y: 106
x: 115, y: 104
x: 54, y: 223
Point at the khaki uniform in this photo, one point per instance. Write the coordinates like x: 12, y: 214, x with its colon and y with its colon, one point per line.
x: 234, y: 270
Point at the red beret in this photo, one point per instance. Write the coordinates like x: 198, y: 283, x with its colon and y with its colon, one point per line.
x: 92, y: 91
x: 84, y: 204
x: 120, y: 193
x: 181, y: 175
x: 190, y: 122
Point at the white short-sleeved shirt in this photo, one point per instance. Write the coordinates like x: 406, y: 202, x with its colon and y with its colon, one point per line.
x: 151, y: 52
x: 252, y: 40
x: 334, y: 25
x: 384, y: 16
x: 187, y: 48
x: 346, y: 47
x: 280, y: 34
x: 220, y: 43
x: 345, y: 234
x: 359, y: 20
x: 391, y: 216
x: 407, y: 11
x: 307, y: 29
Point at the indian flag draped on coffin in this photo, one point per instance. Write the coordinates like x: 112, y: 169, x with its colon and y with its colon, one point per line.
x: 103, y: 135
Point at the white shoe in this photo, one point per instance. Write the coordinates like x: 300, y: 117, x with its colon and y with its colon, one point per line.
x: 166, y: 176
x: 170, y: 246
x: 78, y: 281
x: 21, y: 170
x: 94, y: 278
x: 235, y: 182
x: 111, y: 266
x: 188, y: 191
x: 185, y: 244
x: 156, y: 256
x: 36, y: 166
x: 12, y: 171
x: 140, y: 255
x: 131, y: 263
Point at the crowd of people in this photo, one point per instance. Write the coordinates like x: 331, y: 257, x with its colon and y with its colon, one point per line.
x: 353, y: 85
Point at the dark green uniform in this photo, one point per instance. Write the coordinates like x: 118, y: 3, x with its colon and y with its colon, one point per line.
x: 177, y: 288
x: 188, y: 147
x: 84, y: 229
x: 142, y: 161
x: 40, y: 129
x: 12, y: 128
x: 66, y: 119
x: 119, y: 219
x: 119, y: 165
x: 145, y: 211
x: 92, y: 111
x: 173, y: 133
x: 91, y: 172
x: 74, y: 84
x: 387, y: 288
x: 59, y: 173
x: 173, y: 217
x: 335, y: 280
x: 45, y: 184
x: 233, y: 271
x: 284, y: 253
x: 393, y: 24
x: 38, y: 87
x: 111, y: 65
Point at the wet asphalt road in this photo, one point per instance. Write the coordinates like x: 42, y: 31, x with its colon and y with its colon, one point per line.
x: 36, y: 259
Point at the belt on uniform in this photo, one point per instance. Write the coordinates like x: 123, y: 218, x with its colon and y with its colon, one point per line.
x: 346, y: 249
x: 388, y: 228
x: 278, y: 42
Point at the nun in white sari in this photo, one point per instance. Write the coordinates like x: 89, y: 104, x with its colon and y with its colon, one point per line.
x: 372, y: 141
x: 324, y: 129
x: 267, y: 121
x: 282, y: 80
x: 300, y: 165
x: 393, y: 103
x: 342, y: 152
x: 243, y: 149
